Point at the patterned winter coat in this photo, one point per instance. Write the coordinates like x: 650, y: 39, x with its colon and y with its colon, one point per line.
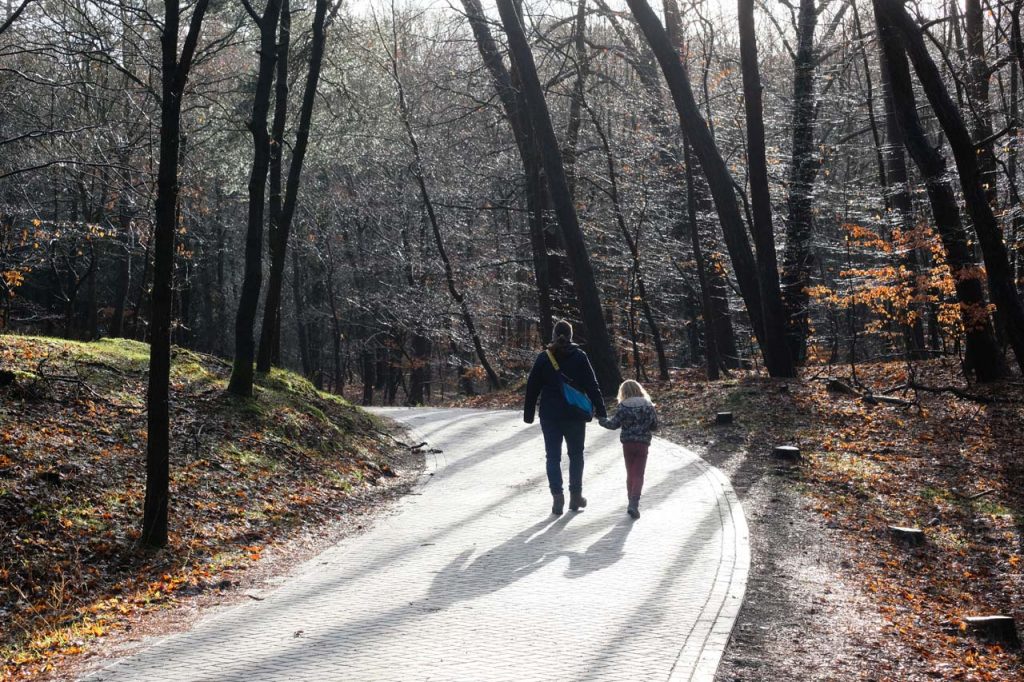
x: 637, y: 418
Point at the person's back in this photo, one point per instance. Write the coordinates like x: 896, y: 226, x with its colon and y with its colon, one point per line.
x: 638, y: 419
x: 557, y: 420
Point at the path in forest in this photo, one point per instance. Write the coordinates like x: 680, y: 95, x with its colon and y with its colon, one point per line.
x: 471, y: 578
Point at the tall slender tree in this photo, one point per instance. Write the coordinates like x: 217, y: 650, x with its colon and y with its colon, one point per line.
x: 781, y: 360
x: 174, y: 72
x: 245, y: 347
x: 282, y: 209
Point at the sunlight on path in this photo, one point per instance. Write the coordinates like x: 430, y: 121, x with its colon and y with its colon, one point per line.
x: 472, y: 578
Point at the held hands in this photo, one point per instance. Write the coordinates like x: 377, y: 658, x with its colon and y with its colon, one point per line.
x: 603, y: 421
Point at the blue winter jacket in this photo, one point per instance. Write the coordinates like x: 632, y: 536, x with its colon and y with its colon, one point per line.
x: 543, y: 383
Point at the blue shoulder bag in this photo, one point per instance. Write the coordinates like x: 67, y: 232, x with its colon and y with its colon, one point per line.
x: 580, y: 405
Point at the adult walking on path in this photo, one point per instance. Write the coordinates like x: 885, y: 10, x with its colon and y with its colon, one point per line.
x: 562, y: 361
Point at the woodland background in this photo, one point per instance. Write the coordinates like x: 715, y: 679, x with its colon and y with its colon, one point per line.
x: 366, y: 302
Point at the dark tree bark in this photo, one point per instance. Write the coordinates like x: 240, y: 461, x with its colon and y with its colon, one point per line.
x: 599, y: 342
x: 572, y: 133
x: 711, y: 343
x: 282, y: 213
x: 978, y: 86
x: 368, y: 369
x: 798, y: 256
x: 269, y: 350
x: 997, y: 263
x: 514, y: 105
x: 982, y: 355
x: 720, y: 182
x: 173, y: 76
x: 779, y: 359
x: 419, y: 372
x: 245, y: 347
x: 301, y: 326
x: 123, y: 258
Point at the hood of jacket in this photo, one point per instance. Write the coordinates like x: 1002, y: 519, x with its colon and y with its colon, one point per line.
x: 638, y: 401
x: 565, y: 351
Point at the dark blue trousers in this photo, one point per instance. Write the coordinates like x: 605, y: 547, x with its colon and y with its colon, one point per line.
x: 574, y: 434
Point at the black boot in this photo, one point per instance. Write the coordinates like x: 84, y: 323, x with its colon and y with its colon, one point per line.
x: 577, y: 501
x: 557, y: 503
x: 634, y: 507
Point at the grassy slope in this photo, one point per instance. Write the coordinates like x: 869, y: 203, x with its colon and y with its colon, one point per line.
x: 245, y: 473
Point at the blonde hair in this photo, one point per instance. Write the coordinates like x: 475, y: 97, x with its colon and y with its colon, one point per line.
x: 631, y: 389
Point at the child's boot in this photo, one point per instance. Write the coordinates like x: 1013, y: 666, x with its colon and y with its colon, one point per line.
x: 576, y: 500
x: 557, y: 503
x: 634, y: 507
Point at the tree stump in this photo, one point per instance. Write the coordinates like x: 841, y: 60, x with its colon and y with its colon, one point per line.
x: 6, y: 377
x: 839, y: 386
x: 723, y: 418
x: 998, y: 629
x: 911, y: 537
x: 786, y: 453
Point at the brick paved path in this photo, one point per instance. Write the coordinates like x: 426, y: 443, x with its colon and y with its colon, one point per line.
x: 473, y: 579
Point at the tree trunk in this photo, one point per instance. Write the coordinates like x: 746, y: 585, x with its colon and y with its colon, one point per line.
x: 572, y: 132
x: 982, y: 352
x: 248, y: 303
x: 798, y: 257
x: 777, y: 354
x: 174, y: 73
x: 282, y: 214
x: 978, y: 97
x: 599, y: 342
x: 419, y: 373
x: 997, y: 264
x: 269, y: 347
x: 707, y: 308
x: 301, y: 328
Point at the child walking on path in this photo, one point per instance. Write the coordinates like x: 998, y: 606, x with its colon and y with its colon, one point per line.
x: 637, y: 418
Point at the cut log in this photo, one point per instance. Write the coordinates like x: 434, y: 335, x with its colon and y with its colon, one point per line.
x: 872, y: 399
x: 787, y: 453
x: 911, y: 537
x: 998, y: 629
x: 6, y: 377
x: 723, y: 418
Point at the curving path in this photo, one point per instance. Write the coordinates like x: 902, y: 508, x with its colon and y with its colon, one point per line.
x: 473, y: 579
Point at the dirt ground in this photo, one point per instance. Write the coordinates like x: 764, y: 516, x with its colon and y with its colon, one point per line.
x: 802, y: 618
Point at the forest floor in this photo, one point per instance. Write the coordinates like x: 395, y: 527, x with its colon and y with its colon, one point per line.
x: 831, y: 595
x: 257, y: 485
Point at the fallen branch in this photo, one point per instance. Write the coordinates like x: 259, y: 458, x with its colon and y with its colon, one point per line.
x: 399, y: 442
x: 974, y: 496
